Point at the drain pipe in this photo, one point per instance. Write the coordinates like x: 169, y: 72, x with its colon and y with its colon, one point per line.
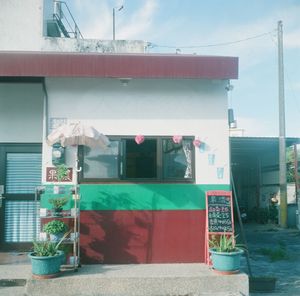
x: 45, y: 110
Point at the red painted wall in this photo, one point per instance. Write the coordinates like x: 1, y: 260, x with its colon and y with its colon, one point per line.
x: 116, y: 237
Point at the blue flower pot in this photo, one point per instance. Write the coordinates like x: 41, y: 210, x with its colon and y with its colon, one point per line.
x: 56, y: 237
x: 226, y: 262
x: 46, y: 266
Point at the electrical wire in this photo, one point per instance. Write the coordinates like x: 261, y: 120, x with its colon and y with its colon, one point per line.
x: 152, y: 45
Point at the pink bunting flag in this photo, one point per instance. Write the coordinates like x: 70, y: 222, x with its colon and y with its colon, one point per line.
x: 139, y: 139
x: 177, y: 139
x: 197, y: 143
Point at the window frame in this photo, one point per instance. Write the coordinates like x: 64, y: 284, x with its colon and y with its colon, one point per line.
x: 122, y: 163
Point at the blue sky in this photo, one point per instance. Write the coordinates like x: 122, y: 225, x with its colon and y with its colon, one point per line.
x: 171, y: 24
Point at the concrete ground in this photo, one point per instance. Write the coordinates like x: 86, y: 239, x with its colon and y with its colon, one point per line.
x: 263, y: 241
x: 129, y: 280
x: 275, y: 252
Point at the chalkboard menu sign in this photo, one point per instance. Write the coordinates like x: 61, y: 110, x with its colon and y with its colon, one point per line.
x: 219, y: 211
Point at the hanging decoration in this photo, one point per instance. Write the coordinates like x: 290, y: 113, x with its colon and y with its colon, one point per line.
x: 177, y: 139
x: 139, y: 139
x: 197, y: 143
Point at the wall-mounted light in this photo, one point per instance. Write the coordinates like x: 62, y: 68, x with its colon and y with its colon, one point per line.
x: 124, y: 81
x: 229, y: 87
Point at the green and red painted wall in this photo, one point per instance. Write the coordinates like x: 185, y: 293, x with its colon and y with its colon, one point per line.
x: 143, y: 223
x: 166, y: 95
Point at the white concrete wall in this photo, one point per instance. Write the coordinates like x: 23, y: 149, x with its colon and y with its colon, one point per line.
x: 21, y: 113
x: 21, y: 23
x: 93, y: 45
x: 149, y: 107
x: 23, y: 27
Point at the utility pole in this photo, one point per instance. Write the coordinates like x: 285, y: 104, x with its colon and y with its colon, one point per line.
x: 282, y: 144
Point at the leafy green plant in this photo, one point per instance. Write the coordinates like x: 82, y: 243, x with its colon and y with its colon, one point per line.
x: 55, y: 227
x: 273, y: 213
x: 58, y: 202
x: 61, y: 172
x: 47, y: 248
x: 275, y: 254
x: 225, y: 243
x: 44, y: 248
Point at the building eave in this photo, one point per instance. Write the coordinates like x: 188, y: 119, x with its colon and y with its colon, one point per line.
x: 53, y: 64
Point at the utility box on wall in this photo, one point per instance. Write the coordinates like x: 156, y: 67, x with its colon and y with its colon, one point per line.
x: 58, y: 154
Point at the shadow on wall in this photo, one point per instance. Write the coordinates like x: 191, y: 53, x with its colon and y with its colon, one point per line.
x: 142, y: 223
x: 144, y: 197
x: 129, y: 237
x: 114, y: 237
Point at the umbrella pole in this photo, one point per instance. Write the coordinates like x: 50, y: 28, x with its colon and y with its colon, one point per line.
x: 77, y: 225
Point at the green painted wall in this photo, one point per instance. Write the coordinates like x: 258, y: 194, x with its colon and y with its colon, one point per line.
x: 145, y: 196
x: 140, y: 196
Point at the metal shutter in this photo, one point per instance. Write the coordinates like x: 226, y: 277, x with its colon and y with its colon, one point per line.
x: 22, y: 223
x: 23, y: 174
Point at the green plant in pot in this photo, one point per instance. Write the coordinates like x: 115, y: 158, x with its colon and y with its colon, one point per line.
x: 61, y: 172
x: 56, y: 229
x: 46, y: 258
x: 57, y: 205
x: 225, y: 254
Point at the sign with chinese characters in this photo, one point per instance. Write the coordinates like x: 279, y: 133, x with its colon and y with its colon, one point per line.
x: 219, y: 217
x: 51, y: 175
x: 219, y: 213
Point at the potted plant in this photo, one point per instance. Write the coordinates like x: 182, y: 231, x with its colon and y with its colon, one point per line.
x: 46, y: 259
x: 225, y: 254
x: 56, y: 229
x: 57, y: 205
x: 61, y: 172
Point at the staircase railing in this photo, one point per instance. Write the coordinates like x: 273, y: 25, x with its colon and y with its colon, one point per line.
x: 65, y: 20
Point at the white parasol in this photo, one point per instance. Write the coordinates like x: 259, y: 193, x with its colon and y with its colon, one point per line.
x: 74, y: 134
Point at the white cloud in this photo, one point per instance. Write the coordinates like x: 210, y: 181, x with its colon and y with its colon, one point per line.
x: 251, y: 52
x: 254, y: 127
x: 292, y: 40
x: 140, y: 21
x: 293, y: 86
x: 96, y: 19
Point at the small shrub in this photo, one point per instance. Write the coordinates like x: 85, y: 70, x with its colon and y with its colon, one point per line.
x: 275, y: 254
x: 55, y: 227
x: 273, y: 213
x: 58, y: 202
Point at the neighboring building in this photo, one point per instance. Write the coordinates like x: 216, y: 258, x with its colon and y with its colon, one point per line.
x: 139, y: 203
x: 255, y: 168
x: 47, y: 25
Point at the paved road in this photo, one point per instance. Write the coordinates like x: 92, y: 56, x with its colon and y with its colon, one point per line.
x: 265, y: 239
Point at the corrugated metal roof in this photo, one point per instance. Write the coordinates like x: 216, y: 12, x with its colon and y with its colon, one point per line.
x: 256, y: 145
x: 46, y: 64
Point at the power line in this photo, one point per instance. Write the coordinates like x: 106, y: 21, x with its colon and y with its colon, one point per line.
x: 214, y: 45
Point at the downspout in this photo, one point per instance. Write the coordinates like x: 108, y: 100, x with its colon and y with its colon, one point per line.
x: 45, y: 110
